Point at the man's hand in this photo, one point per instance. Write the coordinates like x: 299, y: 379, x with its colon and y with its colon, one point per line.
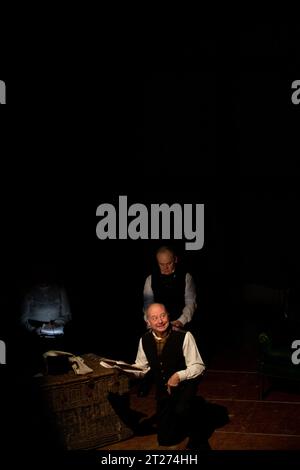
x: 176, y: 325
x: 173, y: 381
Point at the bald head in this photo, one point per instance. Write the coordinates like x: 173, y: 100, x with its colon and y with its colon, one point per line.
x: 166, y: 260
x: 158, y: 318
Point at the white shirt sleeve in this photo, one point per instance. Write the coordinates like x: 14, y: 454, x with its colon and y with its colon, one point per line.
x: 194, y: 363
x: 190, y: 300
x: 141, y: 361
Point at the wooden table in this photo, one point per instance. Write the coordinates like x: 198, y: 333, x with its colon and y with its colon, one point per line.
x: 79, y: 407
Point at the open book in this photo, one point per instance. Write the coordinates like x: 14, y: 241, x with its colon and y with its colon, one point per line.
x: 108, y: 363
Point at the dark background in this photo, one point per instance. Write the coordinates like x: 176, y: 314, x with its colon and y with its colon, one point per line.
x: 204, y: 117
x: 205, y: 120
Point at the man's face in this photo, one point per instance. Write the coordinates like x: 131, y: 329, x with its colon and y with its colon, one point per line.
x: 166, y: 262
x: 158, y: 319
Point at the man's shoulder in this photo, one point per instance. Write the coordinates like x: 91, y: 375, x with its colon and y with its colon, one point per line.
x: 147, y: 339
x: 183, y: 334
x: 179, y: 333
x: 147, y: 335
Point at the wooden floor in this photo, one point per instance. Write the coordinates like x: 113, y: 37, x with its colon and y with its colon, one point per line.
x: 269, y: 424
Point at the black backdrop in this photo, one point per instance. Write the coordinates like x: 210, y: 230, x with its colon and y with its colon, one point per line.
x: 208, y: 119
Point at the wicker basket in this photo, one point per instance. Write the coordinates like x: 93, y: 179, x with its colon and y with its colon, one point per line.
x: 79, y: 409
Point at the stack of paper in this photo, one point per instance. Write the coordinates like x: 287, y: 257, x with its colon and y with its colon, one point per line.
x: 110, y: 363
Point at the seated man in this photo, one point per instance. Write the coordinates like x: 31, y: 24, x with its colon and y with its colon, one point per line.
x: 176, y: 365
x: 171, y: 285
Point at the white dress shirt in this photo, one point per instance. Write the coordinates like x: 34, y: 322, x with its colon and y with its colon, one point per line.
x: 194, y: 363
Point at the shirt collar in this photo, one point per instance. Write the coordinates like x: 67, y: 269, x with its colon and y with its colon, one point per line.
x: 158, y: 338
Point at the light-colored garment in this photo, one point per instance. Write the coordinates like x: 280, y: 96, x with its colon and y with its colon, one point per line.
x: 194, y: 363
x: 44, y: 304
x: 52, y: 330
x: 189, y: 298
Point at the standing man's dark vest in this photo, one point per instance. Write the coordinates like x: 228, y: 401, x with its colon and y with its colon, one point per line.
x: 169, y: 290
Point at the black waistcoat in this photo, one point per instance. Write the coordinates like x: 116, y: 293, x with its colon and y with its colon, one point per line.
x: 169, y: 290
x: 171, y: 359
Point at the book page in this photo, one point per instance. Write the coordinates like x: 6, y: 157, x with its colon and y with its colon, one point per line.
x: 110, y: 363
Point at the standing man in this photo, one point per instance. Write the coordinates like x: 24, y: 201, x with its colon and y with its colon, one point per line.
x: 171, y: 285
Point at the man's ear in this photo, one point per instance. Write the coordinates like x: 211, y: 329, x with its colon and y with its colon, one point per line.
x: 176, y: 259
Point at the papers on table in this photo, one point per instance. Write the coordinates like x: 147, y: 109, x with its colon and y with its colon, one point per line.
x: 111, y: 363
